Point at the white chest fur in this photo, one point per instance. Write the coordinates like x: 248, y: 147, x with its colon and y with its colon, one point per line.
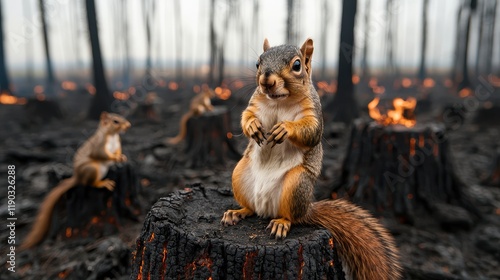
x: 113, y: 143
x: 269, y: 166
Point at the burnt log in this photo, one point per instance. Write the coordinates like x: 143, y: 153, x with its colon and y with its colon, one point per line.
x: 182, y: 239
x: 209, y: 139
x: 399, y: 170
x: 93, y: 212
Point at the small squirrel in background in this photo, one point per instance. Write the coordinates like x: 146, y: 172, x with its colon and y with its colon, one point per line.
x: 90, y: 164
x: 276, y: 176
x: 200, y: 104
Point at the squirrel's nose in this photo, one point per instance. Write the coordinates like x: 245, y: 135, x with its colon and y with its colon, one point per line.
x: 268, y: 83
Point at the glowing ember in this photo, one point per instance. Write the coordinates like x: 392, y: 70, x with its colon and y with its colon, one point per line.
x: 223, y: 93
x: 120, y: 95
x: 173, y: 86
x: 68, y: 232
x: 465, y: 92
x: 406, y: 82
x: 401, y: 114
x: 326, y: 87
x: 9, y: 99
x: 355, y: 79
x: 429, y: 83
x: 494, y: 80
x: 68, y: 85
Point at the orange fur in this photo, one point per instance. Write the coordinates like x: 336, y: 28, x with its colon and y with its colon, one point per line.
x: 199, y: 104
x: 276, y: 176
x: 88, y: 162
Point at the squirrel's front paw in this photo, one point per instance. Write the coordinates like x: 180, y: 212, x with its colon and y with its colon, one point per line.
x: 255, y: 130
x: 122, y: 158
x: 278, y: 134
x: 232, y: 217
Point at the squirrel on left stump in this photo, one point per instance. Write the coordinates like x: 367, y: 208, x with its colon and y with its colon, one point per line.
x: 90, y: 165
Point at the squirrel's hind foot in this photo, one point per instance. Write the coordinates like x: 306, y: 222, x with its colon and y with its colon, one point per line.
x: 279, y: 227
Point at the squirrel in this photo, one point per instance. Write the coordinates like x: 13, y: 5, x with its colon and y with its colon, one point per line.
x: 276, y: 175
x: 200, y: 104
x: 90, y: 164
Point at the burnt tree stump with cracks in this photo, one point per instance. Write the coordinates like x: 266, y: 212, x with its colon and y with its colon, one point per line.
x: 182, y: 238
x: 87, y: 211
x: 209, y: 138
x: 397, y: 169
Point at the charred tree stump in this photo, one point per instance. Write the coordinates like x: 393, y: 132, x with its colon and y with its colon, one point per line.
x: 182, y: 239
x: 94, y: 212
x: 398, y: 169
x: 209, y: 138
x: 41, y: 111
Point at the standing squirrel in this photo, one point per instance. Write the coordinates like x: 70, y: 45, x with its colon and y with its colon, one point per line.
x: 276, y: 176
x: 90, y: 164
x: 199, y: 104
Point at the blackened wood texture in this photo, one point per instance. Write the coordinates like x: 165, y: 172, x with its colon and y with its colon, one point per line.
x: 209, y: 138
x: 182, y: 239
x: 398, y: 169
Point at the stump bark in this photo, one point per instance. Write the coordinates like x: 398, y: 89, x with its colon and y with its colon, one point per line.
x: 182, y: 239
x: 209, y: 138
x: 397, y: 168
x: 95, y: 212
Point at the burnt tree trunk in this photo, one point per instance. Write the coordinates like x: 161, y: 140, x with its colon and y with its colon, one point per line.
x: 423, y: 46
x: 398, y: 169
x: 182, y: 239
x: 343, y: 107
x: 95, y: 212
x: 102, y: 99
x: 209, y: 139
x: 4, y: 78
x: 48, y: 60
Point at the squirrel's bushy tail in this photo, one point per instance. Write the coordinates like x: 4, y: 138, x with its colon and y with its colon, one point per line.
x: 44, y: 216
x: 365, y: 247
x: 182, y: 129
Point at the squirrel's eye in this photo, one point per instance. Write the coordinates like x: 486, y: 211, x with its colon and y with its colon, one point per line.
x: 257, y: 65
x: 296, y: 66
x: 116, y: 122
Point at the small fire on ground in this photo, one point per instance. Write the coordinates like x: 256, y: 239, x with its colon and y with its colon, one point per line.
x: 402, y: 114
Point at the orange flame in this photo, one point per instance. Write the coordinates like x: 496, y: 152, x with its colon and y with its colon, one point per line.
x: 395, y: 116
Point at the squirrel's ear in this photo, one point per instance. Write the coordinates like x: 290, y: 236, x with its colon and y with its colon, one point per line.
x: 266, y: 44
x: 104, y: 115
x: 307, y: 52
